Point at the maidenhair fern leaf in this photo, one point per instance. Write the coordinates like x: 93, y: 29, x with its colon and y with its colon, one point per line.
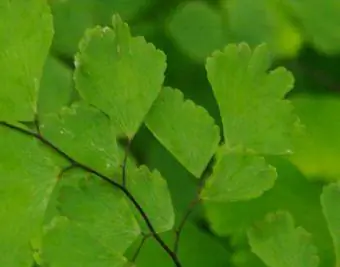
x: 151, y: 192
x: 56, y: 87
x: 330, y: 200
x: 237, y: 176
x: 25, y: 36
x: 120, y: 74
x: 85, y: 134
x: 250, y: 99
x: 65, y: 244
x: 185, y: 129
x: 27, y: 178
x: 279, y: 244
x: 102, y: 211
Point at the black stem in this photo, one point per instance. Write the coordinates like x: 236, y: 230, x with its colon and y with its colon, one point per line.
x: 106, y: 179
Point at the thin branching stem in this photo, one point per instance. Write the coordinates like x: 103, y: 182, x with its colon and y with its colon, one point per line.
x: 103, y: 177
x: 140, y: 246
x: 126, y: 155
x: 179, y: 229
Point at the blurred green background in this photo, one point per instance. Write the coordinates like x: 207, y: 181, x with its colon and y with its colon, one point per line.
x: 303, y: 35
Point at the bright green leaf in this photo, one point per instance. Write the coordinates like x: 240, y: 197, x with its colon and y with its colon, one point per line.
x: 152, y: 193
x: 56, y: 87
x: 279, y: 244
x: 185, y: 129
x: 85, y: 134
x: 101, y: 210
x: 291, y: 192
x: 67, y: 245
x: 237, y: 176
x: 197, y: 29
x: 330, y: 201
x: 27, y: 178
x: 250, y: 99
x: 120, y: 74
x: 25, y: 37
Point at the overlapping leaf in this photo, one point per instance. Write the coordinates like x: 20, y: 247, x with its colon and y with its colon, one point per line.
x: 119, y: 74
x: 67, y: 245
x: 56, y: 87
x: 318, y: 149
x: 185, y: 129
x: 250, y: 99
x: 27, y: 177
x: 25, y: 36
x: 196, y: 249
x: 238, y: 176
x: 279, y: 244
x: 85, y: 134
x: 101, y: 210
x: 291, y: 192
x: 330, y: 200
x: 152, y: 193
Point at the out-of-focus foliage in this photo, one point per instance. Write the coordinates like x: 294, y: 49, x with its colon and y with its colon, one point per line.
x: 302, y: 36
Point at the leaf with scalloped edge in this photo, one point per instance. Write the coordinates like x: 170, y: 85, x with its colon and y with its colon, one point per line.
x: 330, y: 201
x: 279, y: 244
x: 27, y: 176
x: 119, y: 74
x: 85, y: 134
x: 185, y: 129
x: 65, y: 244
x: 26, y: 32
x: 151, y: 191
x: 100, y: 209
x: 253, y: 112
x: 238, y: 176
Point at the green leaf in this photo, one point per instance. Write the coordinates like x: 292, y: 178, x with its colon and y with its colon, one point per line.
x: 196, y: 249
x: 120, y: 74
x: 317, y: 151
x: 85, y: 134
x: 67, y: 245
x: 101, y: 210
x: 330, y: 201
x: 237, y: 176
x: 250, y: 99
x: 261, y: 21
x: 319, y: 21
x: 152, y: 193
x: 279, y: 244
x: 197, y: 29
x: 70, y: 19
x: 25, y: 36
x: 185, y: 129
x: 27, y: 177
x: 56, y: 87
x: 291, y: 192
